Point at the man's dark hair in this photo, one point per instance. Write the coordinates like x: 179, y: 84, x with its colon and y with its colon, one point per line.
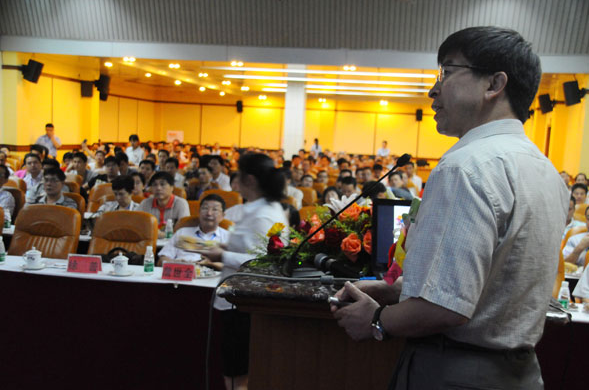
x: 151, y: 156
x: 287, y: 164
x: 213, y: 198
x: 232, y: 177
x: 494, y: 49
x: 341, y: 161
x: 164, y: 151
x: 133, y: 137
x: 411, y: 163
x: 118, y: 149
x: 581, y: 174
x: 81, y: 156
x: 54, y: 172
x: 148, y: 162
x: 287, y: 173
x: 68, y: 155
x: 49, y: 125
x: 303, y: 178
x: 345, y: 170
x: 140, y: 175
x: 377, y: 189
x: 106, y: 148
x: 124, y: 182
x: 173, y: 160
x: 101, y: 152
x: 5, y: 171
x: 348, y: 180
x: 579, y: 185
x: 206, y: 167
x: 216, y: 157
x: 162, y: 175
x: 39, y: 148
x: 122, y: 157
x: 146, y: 147
x: 31, y: 155
x: 51, y: 162
x: 111, y: 159
x: 377, y: 167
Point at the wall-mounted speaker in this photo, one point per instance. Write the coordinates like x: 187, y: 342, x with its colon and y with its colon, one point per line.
x: 239, y: 106
x: 32, y: 71
x: 103, y: 85
x: 419, y: 115
x: 572, y: 93
x: 546, y: 104
x: 87, y: 88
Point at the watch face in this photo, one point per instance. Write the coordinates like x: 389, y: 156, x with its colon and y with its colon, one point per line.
x: 377, y: 332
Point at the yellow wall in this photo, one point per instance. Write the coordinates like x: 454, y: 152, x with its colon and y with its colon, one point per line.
x: 220, y: 124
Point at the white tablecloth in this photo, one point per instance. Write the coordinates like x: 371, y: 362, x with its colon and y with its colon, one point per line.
x: 57, y: 267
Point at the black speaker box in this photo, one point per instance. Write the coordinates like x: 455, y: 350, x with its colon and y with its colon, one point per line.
x: 32, y: 71
x: 419, y: 115
x: 239, y: 106
x: 103, y: 84
x: 545, y: 103
x: 572, y: 94
x: 87, y: 87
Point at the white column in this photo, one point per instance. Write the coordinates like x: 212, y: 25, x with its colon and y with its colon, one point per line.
x: 294, y: 115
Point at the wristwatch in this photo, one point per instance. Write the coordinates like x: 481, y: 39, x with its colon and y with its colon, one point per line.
x: 378, y: 331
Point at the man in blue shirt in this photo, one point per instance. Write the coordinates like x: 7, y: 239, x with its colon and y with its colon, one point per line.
x: 49, y: 140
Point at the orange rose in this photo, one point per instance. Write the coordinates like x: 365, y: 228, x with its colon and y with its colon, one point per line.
x: 352, y: 212
x: 295, y: 241
x: 320, y: 236
x: 368, y: 242
x: 351, y: 246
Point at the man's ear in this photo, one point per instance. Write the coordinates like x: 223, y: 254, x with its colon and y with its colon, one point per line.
x: 497, y: 84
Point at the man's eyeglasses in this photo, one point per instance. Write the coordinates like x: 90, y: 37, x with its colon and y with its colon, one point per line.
x: 442, y: 69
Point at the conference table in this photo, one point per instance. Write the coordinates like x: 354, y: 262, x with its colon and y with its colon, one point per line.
x: 72, y: 330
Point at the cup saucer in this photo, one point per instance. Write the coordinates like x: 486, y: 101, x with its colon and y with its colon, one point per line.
x: 112, y: 273
x: 27, y: 268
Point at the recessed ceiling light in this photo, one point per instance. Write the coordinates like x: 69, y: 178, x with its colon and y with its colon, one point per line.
x: 202, y: 89
x: 177, y: 82
x: 384, y: 103
x: 329, y: 72
x: 147, y: 74
x: 332, y: 81
x: 129, y: 59
x: 221, y: 93
x: 226, y: 82
x: 174, y: 66
x: 322, y: 100
x: 244, y: 88
x: 236, y: 63
x: 349, y: 68
x: 262, y: 97
x: 108, y: 64
x: 203, y: 74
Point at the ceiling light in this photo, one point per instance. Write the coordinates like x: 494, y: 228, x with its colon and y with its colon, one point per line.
x: 177, y: 82
x: 108, y: 64
x: 203, y: 74
x: 353, y: 93
x: 349, y: 68
x: 174, y: 66
x: 333, y: 81
x: 221, y: 93
x: 202, y: 89
x: 236, y: 63
x: 244, y: 88
x: 129, y: 59
x: 324, y: 105
x: 351, y: 88
x: 226, y: 82
x: 384, y: 103
x: 329, y: 72
x: 283, y: 90
x: 147, y: 74
x: 262, y: 97
x: 322, y: 100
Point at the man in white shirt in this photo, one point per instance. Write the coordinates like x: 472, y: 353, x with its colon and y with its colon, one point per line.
x: 216, y: 164
x: 49, y: 140
x: 134, y: 152
x: 315, y: 148
x: 383, y: 151
x: 211, y: 213
x: 416, y: 180
x: 171, y: 167
x: 6, y: 198
x: 34, y: 176
x: 122, y: 187
x: 575, y: 249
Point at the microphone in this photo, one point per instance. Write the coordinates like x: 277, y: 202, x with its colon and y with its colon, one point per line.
x: 336, y: 267
x: 289, y: 265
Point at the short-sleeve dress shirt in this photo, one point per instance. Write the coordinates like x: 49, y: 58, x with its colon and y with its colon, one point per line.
x: 7, y: 202
x: 175, y: 209
x: 485, y: 242
x: 46, y: 141
x: 173, y: 252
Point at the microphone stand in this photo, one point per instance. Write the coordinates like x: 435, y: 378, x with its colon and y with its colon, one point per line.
x: 289, y: 265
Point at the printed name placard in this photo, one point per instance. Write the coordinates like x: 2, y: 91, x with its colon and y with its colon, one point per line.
x: 177, y: 271
x: 86, y: 264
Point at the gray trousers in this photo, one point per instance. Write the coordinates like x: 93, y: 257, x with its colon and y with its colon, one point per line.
x: 436, y: 362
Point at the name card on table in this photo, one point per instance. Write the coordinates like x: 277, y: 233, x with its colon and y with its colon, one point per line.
x: 86, y: 264
x: 178, y: 271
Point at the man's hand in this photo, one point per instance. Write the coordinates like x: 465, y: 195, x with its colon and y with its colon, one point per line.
x: 380, y: 291
x: 214, y: 254
x: 356, y: 318
x: 212, y: 264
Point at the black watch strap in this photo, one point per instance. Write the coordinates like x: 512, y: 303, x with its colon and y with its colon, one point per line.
x: 376, y: 316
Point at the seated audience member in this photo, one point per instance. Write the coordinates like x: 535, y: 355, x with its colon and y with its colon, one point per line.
x: 579, y: 192
x: 134, y: 151
x: 79, y: 165
x: 348, y: 186
x: 49, y: 163
x: 582, y: 288
x: 377, y: 171
x: 151, y: 157
x: 171, y: 167
x: 571, y: 223
x: 124, y: 168
x: 397, y: 186
x: 292, y: 215
x: 205, y: 181
x: 307, y: 181
x: 581, y: 178
x: 112, y: 172
x: 413, y: 177
x: 296, y: 176
x: 343, y: 164
x: 211, y: 213
x: 216, y: 165
x: 367, y: 174
x: 139, y: 184
x: 360, y: 178
x: 329, y: 194
x: 566, y: 178
x: 147, y: 168
x: 322, y: 177
x: 6, y: 198
x: 3, y: 157
x: 122, y: 187
x: 97, y: 165
x: 162, y: 156
x: 53, y: 183
x: 163, y: 204
x: 191, y: 170
x: 378, y: 192
x: 67, y: 160
x: 33, y: 177
x: 575, y: 248
x: 291, y: 190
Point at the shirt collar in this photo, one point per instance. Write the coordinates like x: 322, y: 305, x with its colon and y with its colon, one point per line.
x: 167, y: 206
x: 198, y: 232
x: 249, y: 206
x: 501, y: 126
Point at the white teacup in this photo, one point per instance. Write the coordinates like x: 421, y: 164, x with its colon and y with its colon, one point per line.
x: 32, y: 258
x: 120, y: 265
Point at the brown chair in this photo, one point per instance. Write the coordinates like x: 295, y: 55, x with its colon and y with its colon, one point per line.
x: 74, y: 177
x: 580, y: 212
x: 15, y: 182
x: 19, y: 201
x: 319, y: 187
x: 53, y: 230
x: 194, y: 206
x: 290, y: 200
x: 181, y: 192
x: 73, y: 186
x: 137, y: 198
x: 132, y: 230
x: 79, y: 201
x: 193, y: 221
x: 231, y: 198
x: 573, y: 231
x: 97, y: 192
x: 309, y: 196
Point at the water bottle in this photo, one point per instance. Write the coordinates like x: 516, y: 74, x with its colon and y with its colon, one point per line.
x: 148, y: 262
x: 169, y: 228
x: 7, y: 219
x: 2, y: 252
x: 564, y: 295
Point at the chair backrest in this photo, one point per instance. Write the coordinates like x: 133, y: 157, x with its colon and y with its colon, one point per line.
x: 231, y: 198
x: 309, y: 196
x: 290, y: 200
x: 73, y: 186
x: 319, y: 187
x: 331, y: 181
x: 97, y: 192
x: 559, y: 275
x: 572, y: 232
x: 178, y: 191
x: 137, y: 198
x: 53, y: 230
x: 79, y: 201
x: 16, y: 182
x: 194, y: 206
x: 132, y: 230
x: 307, y: 212
x: 193, y: 221
x: 19, y: 200
x: 1, y: 218
x: 74, y: 177
x: 580, y: 212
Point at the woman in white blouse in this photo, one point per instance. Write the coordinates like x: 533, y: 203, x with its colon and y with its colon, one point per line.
x: 262, y: 185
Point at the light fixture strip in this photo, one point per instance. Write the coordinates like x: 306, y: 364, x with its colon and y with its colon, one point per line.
x: 335, y: 81
x: 328, y: 72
